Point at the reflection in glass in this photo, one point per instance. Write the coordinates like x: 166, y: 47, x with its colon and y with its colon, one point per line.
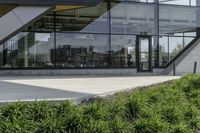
x: 177, y: 19
x: 132, y: 18
x: 144, y: 53
x: 46, y: 23
x: 175, y: 46
x: 192, y: 34
x: 175, y: 2
x: 123, y: 51
x: 170, y: 46
x: 187, y: 40
x: 194, y: 2
x: 29, y: 49
x: 164, y: 50
x: 89, y: 19
x: 81, y: 50
x: 85, y: 40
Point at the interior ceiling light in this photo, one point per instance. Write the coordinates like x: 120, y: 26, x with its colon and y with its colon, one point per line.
x: 66, y: 7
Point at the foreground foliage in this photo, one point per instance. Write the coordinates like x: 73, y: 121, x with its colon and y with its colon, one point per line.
x: 172, y: 107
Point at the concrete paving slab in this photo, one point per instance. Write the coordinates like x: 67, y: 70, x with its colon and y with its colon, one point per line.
x: 61, y: 88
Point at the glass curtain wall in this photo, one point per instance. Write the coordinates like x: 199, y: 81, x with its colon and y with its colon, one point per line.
x: 178, y: 26
x: 104, y: 36
x: 28, y: 49
x: 128, y: 19
x: 31, y: 48
x: 82, y: 37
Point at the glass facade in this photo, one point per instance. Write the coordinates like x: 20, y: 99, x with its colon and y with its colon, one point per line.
x: 123, y: 51
x: 105, y: 35
x: 132, y: 18
x: 29, y: 49
x: 179, y: 2
x: 75, y: 50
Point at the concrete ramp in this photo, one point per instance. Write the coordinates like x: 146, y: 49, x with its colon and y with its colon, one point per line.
x: 18, y: 18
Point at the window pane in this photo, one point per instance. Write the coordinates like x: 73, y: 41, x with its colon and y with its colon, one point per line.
x: 81, y: 50
x: 132, y: 18
x: 90, y: 19
x: 175, y: 2
x: 155, y: 41
x: 29, y: 50
x: 170, y: 46
x: 164, y: 55
x: 176, y: 19
x: 187, y: 40
x: 192, y: 34
x: 46, y: 23
x: 194, y: 2
x: 123, y: 51
x: 175, y: 46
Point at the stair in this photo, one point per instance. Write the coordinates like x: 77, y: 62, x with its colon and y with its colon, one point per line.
x: 182, y: 55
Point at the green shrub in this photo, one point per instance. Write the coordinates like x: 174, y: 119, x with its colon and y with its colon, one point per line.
x: 181, y: 128
x: 97, y: 126
x: 95, y: 110
x: 118, y: 125
x: 153, y: 125
x: 172, y: 115
x: 134, y: 105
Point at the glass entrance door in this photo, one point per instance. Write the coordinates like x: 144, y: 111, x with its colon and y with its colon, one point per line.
x: 144, y: 53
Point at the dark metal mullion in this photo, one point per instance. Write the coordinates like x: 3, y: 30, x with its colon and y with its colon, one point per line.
x: 183, y: 39
x: 137, y: 53
x: 109, y: 30
x: 55, y: 41
x: 158, y: 27
x: 3, y: 56
x: 168, y: 48
x: 150, y: 53
x: 12, y: 56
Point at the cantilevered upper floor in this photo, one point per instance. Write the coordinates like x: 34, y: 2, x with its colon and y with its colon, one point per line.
x: 17, y: 14
x: 50, y: 2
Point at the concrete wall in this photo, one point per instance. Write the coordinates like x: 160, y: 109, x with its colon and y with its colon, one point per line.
x: 68, y: 72
x: 186, y: 65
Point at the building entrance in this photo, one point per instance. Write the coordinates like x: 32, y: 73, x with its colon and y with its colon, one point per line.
x: 144, y: 53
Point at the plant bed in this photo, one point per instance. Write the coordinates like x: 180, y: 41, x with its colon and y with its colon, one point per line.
x: 172, y: 107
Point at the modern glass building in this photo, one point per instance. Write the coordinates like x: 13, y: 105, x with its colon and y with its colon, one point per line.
x: 104, y: 34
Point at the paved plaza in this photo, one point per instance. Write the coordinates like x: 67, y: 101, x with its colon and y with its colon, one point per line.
x: 75, y: 87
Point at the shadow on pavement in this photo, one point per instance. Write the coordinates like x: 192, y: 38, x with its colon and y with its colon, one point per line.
x: 15, y: 92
